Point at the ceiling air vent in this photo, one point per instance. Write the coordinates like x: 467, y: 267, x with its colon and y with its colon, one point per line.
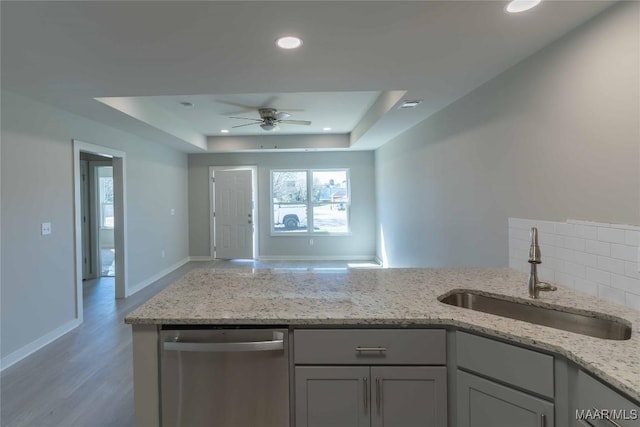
x: 409, y: 104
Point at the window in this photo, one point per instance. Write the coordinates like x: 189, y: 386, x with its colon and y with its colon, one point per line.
x: 310, y: 201
x: 105, y: 192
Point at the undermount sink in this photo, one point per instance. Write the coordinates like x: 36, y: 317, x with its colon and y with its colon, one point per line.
x: 594, y: 325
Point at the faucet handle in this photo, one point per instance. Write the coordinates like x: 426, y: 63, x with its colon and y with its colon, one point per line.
x: 534, y: 249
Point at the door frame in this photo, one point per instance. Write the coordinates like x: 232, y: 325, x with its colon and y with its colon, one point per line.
x: 120, y: 209
x: 212, y: 202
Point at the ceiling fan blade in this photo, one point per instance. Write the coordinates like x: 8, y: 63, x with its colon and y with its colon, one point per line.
x: 246, y: 118
x: 238, y: 113
x: 286, y: 110
x: 295, y: 122
x: 237, y: 104
x: 248, y: 124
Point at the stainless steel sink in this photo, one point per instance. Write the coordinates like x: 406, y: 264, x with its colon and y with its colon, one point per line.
x: 596, y: 325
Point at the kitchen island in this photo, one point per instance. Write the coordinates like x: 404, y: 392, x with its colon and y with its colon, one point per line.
x: 383, y: 298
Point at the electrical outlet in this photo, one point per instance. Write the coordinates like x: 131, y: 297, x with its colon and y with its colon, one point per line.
x: 45, y: 228
x: 310, y: 242
x: 173, y: 211
x: 162, y: 253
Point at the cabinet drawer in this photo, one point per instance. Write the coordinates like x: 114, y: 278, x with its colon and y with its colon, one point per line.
x: 513, y: 365
x: 592, y: 394
x: 370, y: 347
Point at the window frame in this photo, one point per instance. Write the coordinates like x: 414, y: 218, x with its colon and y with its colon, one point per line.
x: 310, y: 204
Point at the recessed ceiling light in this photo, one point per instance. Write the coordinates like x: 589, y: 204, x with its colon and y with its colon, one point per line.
x: 224, y: 130
x: 289, y: 42
x: 517, y: 6
x: 326, y: 129
x: 410, y: 104
x: 186, y: 104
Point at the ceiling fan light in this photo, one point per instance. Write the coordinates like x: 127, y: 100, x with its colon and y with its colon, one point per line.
x: 517, y: 6
x: 269, y: 127
x: 289, y: 42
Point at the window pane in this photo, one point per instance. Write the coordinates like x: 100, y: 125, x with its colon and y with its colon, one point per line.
x: 107, y: 215
x: 105, y: 182
x: 330, y: 186
x: 330, y: 218
x: 289, y: 186
x: 289, y: 218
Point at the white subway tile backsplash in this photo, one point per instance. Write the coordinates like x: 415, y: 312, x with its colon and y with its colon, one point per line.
x: 625, y: 283
x: 612, y: 235
x: 587, y: 286
x: 574, y: 243
x: 565, y: 254
x: 631, y: 270
x: 632, y: 237
x: 586, y: 232
x: 597, y: 247
x: 611, y: 294
x: 576, y: 270
x: 598, y: 276
x: 565, y: 279
x: 564, y: 229
x: 598, y: 258
x: 584, y: 258
x: 624, y: 252
x: 632, y: 301
x: 611, y: 265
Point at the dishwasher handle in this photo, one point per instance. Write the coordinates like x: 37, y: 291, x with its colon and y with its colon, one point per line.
x: 221, y: 347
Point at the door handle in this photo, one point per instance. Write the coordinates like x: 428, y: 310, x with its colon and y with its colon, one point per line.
x: 220, y: 347
x: 365, y: 392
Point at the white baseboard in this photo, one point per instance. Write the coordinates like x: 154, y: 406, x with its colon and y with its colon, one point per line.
x: 200, y: 258
x: 138, y: 287
x: 316, y: 258
x: 36, y: 345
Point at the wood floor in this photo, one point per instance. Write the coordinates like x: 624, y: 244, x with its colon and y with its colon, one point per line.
x: 84, y: 378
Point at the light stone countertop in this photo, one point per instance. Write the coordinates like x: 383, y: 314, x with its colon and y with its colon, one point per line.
x: 388, y: 297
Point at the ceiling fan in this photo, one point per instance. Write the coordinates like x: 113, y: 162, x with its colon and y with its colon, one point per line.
x: 270, y: 118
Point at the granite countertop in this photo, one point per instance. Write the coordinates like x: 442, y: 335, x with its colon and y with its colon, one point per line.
x: 388, y: 297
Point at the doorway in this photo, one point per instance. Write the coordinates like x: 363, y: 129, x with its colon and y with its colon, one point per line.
x: 100, y: 220
x: 234, y: 212
x: 97, y: 216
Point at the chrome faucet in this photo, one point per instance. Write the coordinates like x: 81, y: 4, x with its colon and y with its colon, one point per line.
x: 535, y: 285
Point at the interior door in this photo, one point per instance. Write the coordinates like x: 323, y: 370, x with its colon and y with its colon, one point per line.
x: 233, y: 211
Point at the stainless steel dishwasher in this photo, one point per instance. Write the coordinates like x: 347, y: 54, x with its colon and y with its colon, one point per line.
x: 224, y: 378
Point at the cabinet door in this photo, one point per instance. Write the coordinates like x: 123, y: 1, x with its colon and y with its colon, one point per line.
x: 409, y: 396
x: 328, y: 396
x: 483, y: 403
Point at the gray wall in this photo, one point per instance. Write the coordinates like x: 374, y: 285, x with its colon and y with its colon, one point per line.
x: 361, y: 242
x: 38, y: 284
x: 555, y: 137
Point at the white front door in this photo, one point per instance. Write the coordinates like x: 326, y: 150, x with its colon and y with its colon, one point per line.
x: 233, y: 213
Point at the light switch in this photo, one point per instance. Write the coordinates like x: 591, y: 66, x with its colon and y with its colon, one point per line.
x: 45, y: 228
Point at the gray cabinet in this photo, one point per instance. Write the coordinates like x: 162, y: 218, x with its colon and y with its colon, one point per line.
x: 409, y: 396
x: 357, y: 396
x: 484, y: 403
x: 372, y: 388
x: 332, y: 396
x: 598, y: 405
x: 502, y: 385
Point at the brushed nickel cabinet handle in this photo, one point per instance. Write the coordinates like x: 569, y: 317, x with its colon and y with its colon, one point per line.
x: 369, y: 349
x: 365, y: 392
x: 378, y: 395
x: 543, y: 420
x: 606, y: 417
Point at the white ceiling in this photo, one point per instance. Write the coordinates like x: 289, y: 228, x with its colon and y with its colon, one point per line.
x: 358, y: 61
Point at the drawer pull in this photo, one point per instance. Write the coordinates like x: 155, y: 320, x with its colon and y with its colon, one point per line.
x: 365, y: 393
x: 371, y: 349
x: 606, y: 417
